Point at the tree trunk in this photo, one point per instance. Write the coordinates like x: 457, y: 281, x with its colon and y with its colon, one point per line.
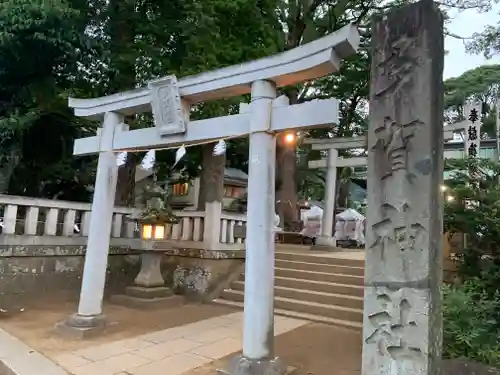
x: 123, y: 77
x: 287, y: 189
x: 7, y: 170
x: 212, y: 177
x: 286, y: 162
x: 125, y: 188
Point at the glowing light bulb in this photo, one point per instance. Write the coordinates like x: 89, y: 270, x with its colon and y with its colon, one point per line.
x: 290, y: 138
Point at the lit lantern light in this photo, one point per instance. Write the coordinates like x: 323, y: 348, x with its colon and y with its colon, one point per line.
x: 450, y: 198
x: 290, y: 138
x: 153, y: 231
x: 444, y: 188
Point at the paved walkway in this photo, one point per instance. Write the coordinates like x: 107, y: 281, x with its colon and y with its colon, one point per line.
x: 18, y: 358
x: 172, y: 351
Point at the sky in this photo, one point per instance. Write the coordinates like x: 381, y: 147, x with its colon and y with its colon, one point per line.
x: 466, y: 23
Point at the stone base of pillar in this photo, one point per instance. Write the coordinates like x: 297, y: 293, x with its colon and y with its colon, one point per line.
x: 81, y: 327
x: 149, y: 291
x: 143, y: 298
x: 325, y: 244
x: 244, y: 366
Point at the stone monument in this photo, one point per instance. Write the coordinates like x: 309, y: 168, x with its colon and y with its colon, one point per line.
x: 402, y: 333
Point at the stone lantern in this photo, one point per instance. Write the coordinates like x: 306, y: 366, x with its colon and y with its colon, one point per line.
x: 149, y: 289
x: 156, y: 215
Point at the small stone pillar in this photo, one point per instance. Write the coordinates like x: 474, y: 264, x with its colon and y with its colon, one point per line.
x: 211, y: 195
x: 150, y: 274
x: 327, y: 238
x: 212, y: 225
x: 402, y: 326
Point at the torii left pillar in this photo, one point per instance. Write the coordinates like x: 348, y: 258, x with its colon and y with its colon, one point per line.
x: 89, y: 319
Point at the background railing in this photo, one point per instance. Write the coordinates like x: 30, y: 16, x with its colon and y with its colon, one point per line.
x: 45, y: 217
x: 228, y: 223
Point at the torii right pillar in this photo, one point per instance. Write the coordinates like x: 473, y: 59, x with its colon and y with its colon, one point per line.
x: 402, y: 326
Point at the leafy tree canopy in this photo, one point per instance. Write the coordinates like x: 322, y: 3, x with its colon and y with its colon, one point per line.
x: 481, y: 83
x: 40, y: 46
x: 56, y: 48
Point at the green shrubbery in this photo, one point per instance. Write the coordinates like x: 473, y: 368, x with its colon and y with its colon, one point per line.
x: 471, y: 323
x: 471, y: 327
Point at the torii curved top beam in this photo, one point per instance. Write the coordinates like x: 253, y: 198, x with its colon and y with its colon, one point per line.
x: 309, y: 61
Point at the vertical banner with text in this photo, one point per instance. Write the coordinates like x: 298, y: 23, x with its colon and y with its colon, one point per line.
x: 472, y: 115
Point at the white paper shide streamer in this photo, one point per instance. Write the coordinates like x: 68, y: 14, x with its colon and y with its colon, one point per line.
x: 149, y: 160
x: 220, y: 148
x: 179, y: 154
x: 121, y: 158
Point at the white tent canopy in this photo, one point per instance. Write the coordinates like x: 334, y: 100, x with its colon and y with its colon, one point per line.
x: 312, y: 221
x: 350, y: 226
x: 313, y: 212
x: 350, y: 214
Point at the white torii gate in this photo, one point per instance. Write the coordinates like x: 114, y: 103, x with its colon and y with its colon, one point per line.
x: 333, y: 161
x: 170, y: 100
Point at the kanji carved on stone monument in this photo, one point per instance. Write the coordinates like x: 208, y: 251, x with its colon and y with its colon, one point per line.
x: 394, y: 330
x: 396, y: 66
x: 392, y: 139
x: 398, y: 230
x: 403, y: 266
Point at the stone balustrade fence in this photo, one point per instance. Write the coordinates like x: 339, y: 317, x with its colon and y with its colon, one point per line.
x: 45, y: 217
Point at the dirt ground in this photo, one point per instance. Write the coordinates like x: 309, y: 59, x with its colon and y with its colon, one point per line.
x: 313, y: 349
x: 35, y: 324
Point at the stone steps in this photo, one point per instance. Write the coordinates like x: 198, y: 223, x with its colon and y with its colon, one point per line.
x: 319, y: 276
x: 344, y: 300
x: 297, y: 257
x: 320, y: 267
x: 315, y: 308
x: 299, y: 315
x: 313, y: 287
x: 320, y: 286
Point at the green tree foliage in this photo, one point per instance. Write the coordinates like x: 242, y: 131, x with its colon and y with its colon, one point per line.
x: 146, y: 40
x: 486, y: 42
x: 85, y: 48
x: 351, y: 84
x: 475, y: 210
x: 471, y: 310
x: 471, y: 323
x: 40, y: 46
x: 302, y: 22
x: 481, y: 83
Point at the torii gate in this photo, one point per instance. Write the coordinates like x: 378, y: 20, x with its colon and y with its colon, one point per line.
x: 170, y: 100
x: 333, y: 161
